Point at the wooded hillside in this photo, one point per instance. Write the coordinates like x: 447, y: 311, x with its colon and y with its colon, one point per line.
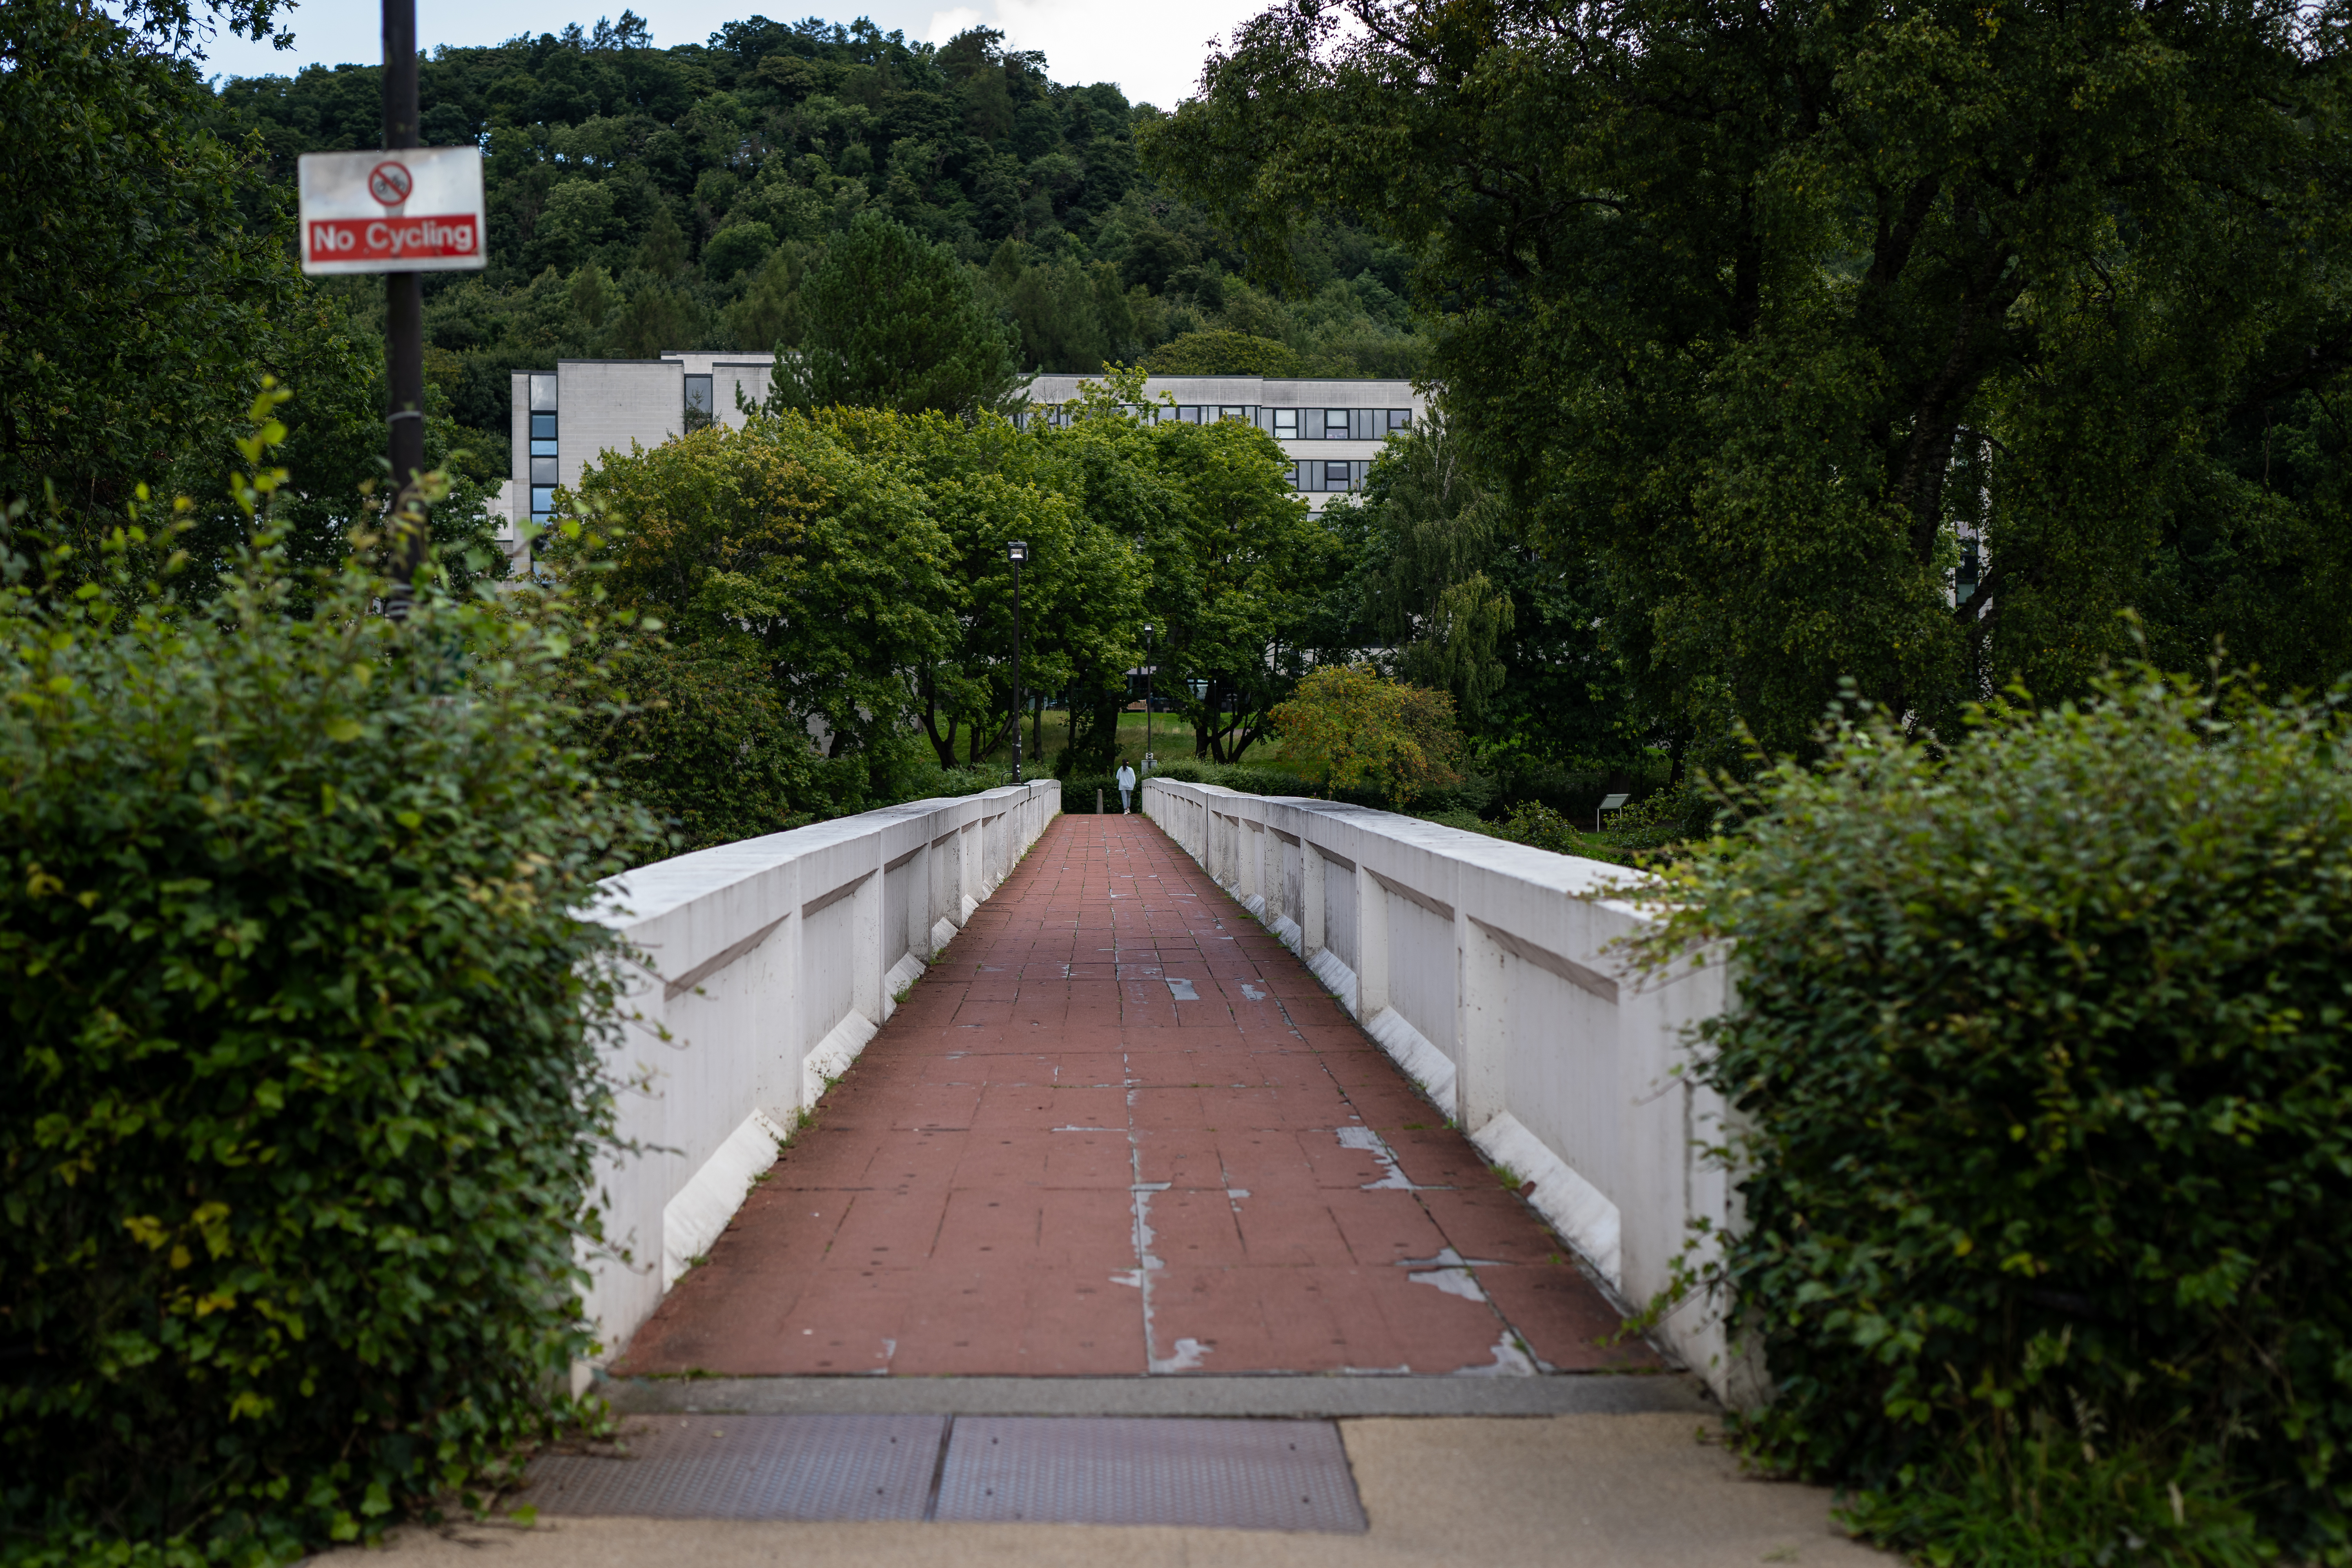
x: 643, y: 199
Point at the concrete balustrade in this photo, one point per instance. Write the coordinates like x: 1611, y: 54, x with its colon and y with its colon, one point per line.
x: 762, y: 968
x: 1490, y: 972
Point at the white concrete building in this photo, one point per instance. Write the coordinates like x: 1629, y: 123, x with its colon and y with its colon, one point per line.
x: 1331, y: 429
x: 566, y: 419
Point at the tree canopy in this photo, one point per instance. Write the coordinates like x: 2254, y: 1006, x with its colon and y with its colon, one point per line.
x: 148, y: 287
x: 1354, y: 728
x: 1908, y: 345
x: 897, y: 322
x: 1236, y: 561
x: 782, y: 536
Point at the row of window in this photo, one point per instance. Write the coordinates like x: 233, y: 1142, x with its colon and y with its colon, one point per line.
x: 1282, y: 424
x: 698, y: 395
x: 1332, y: 424
x: 543, y: 478
x: 1317, y: 475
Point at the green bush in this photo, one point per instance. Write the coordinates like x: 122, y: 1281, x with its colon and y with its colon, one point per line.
x: 697, y: 737
x: 919, y: 776
x: 2042, y: 1073
x: 1534, y: 823
x: 1251, y: 780
x: 1078, y: 790
x: 1078, y: 794
x: 302, y: 1095
x: 1663, y: 819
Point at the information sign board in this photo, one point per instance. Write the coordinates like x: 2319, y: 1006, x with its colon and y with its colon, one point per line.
x: 414, y: 209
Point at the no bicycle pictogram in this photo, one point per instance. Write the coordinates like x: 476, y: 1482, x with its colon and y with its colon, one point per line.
x: 389, y: 182
x: 406, y: 209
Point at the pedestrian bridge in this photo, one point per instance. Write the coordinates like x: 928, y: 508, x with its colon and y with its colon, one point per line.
x: 1236, y: 1086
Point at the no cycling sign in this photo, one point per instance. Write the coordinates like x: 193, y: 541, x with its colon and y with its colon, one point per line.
x: 410, y: 210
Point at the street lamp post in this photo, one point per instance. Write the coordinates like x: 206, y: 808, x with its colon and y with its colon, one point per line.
x: 1147, y: 699
x: 1016, y: 552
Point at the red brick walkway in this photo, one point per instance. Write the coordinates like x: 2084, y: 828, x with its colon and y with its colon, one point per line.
x: 1119, y: 1128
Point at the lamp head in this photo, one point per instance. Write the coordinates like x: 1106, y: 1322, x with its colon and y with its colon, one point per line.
x: 1017, y: 552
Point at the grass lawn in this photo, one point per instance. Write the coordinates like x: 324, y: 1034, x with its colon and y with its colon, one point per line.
x: 1171, y: 737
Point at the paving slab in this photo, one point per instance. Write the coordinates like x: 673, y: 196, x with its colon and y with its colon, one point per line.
x: 1119, y: 1128
x: 1569, y: 1491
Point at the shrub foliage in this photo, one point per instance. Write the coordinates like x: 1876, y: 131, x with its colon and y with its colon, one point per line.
x: 301, y: 1090
x: 2041, y: 1058
x: 696, y: 735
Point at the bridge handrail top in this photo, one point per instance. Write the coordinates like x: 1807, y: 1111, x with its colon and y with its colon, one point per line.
x: 1572, y: 875
x: 646, y: 892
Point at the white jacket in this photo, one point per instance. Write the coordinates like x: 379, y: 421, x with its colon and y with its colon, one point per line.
x: 1126, y: 776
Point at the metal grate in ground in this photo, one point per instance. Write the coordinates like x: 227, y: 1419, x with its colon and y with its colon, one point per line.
x: 1204, y: 1472
x: 1234, y: 1475
x: 752, y: 1466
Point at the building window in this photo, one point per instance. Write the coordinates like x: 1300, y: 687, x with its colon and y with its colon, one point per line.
x: 1229, y: 412
x: 1400, y: 419
x: 541, y: 470
x: 1335, y: 424
x: 1336, y: 476
x: 1189, y: 412
x: 697, y: 402
x: 1286, y: 424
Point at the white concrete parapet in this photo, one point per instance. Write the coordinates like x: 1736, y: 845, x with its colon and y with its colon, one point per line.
x: 1488, y: 970
x: 767, y: 964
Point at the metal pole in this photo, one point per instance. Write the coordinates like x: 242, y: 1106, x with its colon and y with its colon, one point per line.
x: 1016, y: 672
x: 404, y: 303
x: 1147, y: 705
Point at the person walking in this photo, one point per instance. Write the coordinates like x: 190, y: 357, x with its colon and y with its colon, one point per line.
x: 1126, y: 786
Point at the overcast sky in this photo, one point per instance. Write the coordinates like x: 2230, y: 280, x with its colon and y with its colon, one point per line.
x: 1153, y: 51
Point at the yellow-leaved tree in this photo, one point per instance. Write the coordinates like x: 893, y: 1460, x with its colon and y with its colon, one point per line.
x: 1358, y: 729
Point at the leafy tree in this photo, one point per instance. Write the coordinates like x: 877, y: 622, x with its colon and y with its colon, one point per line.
x: 895, y: 321
x: 1442, y: 588
x: 1904, y: 345
x: 146, y: 290
x: 1355, y: 729
x: 782, y: 538
x: 983, y: 484
x: 1236, y: 559
x: 1071, y: 317
x: 1429, y: 596
x: 733, y: 249
x: 1228, y: 353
